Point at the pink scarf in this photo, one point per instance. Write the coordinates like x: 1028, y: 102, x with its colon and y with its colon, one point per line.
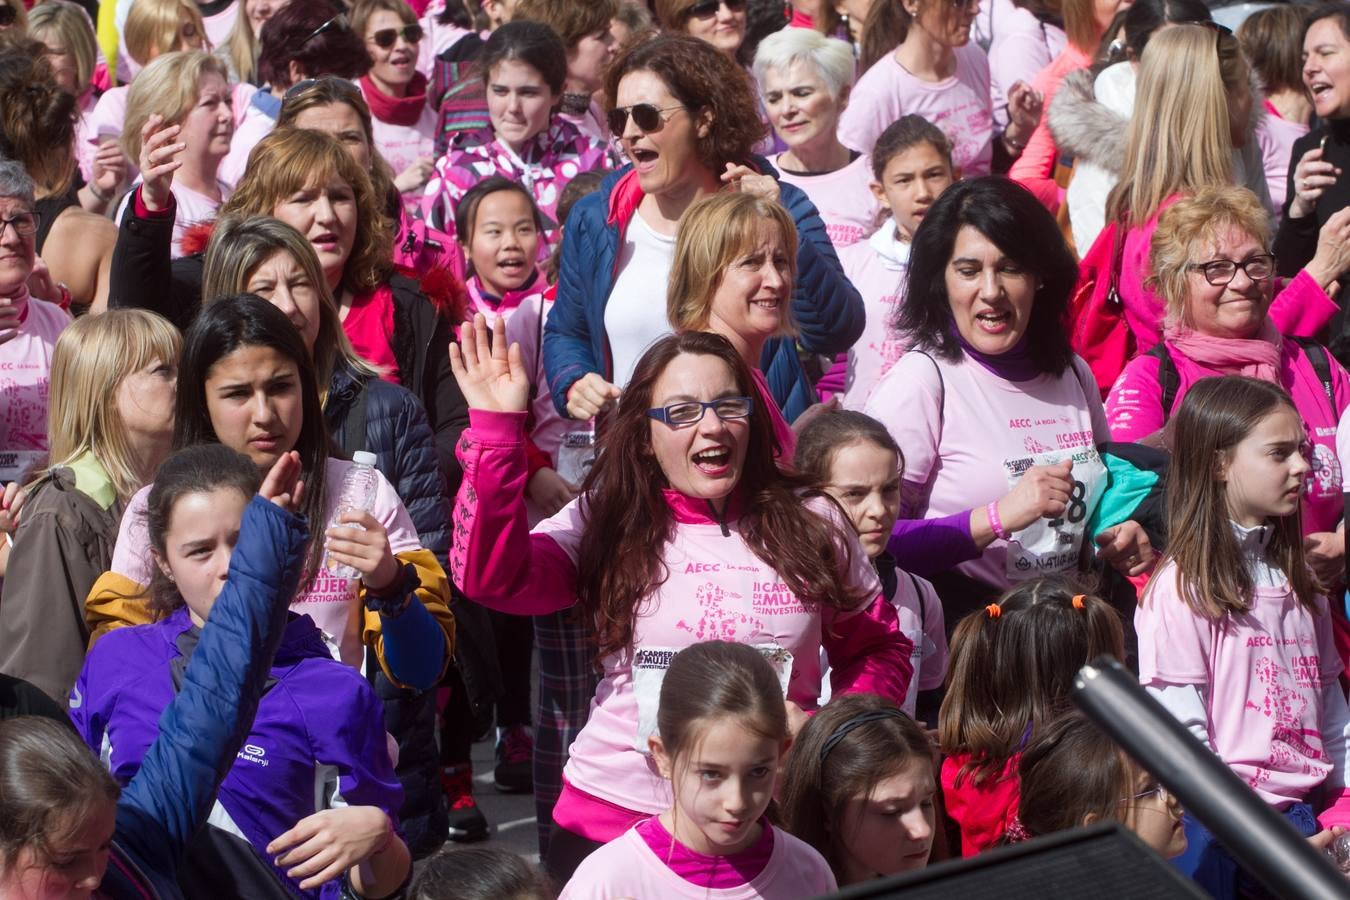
x: 1256, y: 357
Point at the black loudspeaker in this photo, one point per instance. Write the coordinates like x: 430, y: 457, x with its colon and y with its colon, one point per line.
x: 1100, y: 862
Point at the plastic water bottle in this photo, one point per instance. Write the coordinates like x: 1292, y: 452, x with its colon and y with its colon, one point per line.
x: 1339, y: 853
x: 358, y: 493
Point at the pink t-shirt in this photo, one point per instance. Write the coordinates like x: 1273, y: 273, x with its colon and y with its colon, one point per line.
x: 846, y: 204
x: 330, y: 602
x: 1261, y: 674
x: 878, y: 268
x: 249, y: 130
x: 1275, y: 136
x: 630, y: 866
x: 959, y: 105
x: 1023, y: 46
x: 25, y: 373
x: 919, y: 610
x: 968, y: 436
x: 369, y: 325
x: 103, y: 121
x: 525, y: 327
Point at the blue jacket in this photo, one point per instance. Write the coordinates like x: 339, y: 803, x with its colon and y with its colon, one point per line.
x: 200, y: 732
x: 317, y: 740
x: 825, y: 304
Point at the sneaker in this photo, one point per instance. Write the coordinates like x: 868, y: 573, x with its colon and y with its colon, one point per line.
x: 514, y: 773
x: 466, y: 820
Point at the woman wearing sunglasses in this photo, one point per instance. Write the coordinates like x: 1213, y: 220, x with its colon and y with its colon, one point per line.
x: 670, y: 495
x: 397, y: 93
x: 1212, y: 268
x: 524, y: 66
x: 300, y: 41
x: 684, y: 114
x: 721, y: 23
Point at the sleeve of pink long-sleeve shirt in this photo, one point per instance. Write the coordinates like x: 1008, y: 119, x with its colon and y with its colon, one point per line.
x: 495, y: 560
x: 1035, y: 168
x: 1302, y: 308
x: 1134, y: 406
x: 867, y: 651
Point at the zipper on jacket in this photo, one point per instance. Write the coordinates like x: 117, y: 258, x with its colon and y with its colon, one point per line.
x: 721, y: 519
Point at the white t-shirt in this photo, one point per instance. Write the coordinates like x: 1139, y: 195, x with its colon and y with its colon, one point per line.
x: 635, y: 316
x: 191, y: 208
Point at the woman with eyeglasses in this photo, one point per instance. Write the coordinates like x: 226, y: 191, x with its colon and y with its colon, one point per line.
x: 397, y: 93
x: 524, y: 66
x: 918, y: 59
x: 1212, y: 267
x: 997, y: 420
x: 301, y: 41
x: 1191, y: 128
x: 686, y: 117
x: 715, y: 542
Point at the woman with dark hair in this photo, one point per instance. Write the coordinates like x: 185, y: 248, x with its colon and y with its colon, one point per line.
x: 685, y: 115
x: 1272, y: 41
x: 524, y: 67
x: 247, y: 382
x: 686, y: 531
x: 301, y: 41
x: 584, y: 27
x: 997, y: 419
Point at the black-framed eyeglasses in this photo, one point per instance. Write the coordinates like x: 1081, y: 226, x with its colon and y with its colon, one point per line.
x: 343, y: 86
x: 707, y: 9
x: 387, y: 37
x: 8, y: 16
x: 24, y: 224
x: 691, y: 412
x: 1219, y: 272
x: 340, y: 21
x: 646, y: 116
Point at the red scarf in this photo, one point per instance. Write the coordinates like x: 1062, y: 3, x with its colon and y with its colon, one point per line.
x: 396, y: 110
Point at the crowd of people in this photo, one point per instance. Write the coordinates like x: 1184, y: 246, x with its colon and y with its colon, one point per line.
x: 748, y: 416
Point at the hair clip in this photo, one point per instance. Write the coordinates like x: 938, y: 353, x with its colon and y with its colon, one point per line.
x: 1078, y: 601
x: 994, y: 610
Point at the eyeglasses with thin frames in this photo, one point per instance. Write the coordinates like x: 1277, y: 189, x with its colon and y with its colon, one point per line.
x: 646, y: 116
x: 1220, y: 272
x: 342, y: 85
x: 386, y: 38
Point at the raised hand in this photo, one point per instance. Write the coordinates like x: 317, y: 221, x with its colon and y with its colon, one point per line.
x: 283, y: 485
x: 1025, y: 106
x: 491, y: 375
x: 1332, y: 258
x: 748, y: 181
x: 160, y: 157
x: 589, y: 395
x: 1312, y: 176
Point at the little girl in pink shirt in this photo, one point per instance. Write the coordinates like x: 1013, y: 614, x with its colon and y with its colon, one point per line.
x: 722, y: 731
x: 1234, y: 637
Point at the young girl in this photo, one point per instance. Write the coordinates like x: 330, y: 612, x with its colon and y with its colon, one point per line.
x: 855, y: 460
x: 246, y: 381
x: 1234, y: 638
x: 1011, y: 668
x: 1075, y: 775
x: 316, y: 756
x: 859, y: 786
x: 911, y: 166
x: 721, y: 733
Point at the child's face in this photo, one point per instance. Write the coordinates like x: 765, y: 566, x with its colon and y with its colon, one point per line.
x: 865, y: 479
x: 1265, y: 472
x: 203, y: 529
x: 1155, y: 816
x: 890, y: 830
x: 722, y: 784
x: 911, y: 182
x: 505, y: 242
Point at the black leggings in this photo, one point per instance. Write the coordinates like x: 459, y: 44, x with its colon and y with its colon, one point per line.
x: 566, y: 851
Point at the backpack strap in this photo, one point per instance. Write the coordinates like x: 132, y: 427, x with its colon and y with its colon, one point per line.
x: 923, y: 607
x: 354, y: 426
x: 1169, y: 379
x: 1317, y: 358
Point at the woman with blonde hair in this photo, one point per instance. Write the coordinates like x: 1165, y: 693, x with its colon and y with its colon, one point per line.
x: 155, y: 27
x: 735, y: 262
x: 240, y: 48
x: 113, y: 383
x: 1190, y: 129
x: 188, y: 92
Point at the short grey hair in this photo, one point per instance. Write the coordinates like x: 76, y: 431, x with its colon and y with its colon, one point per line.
x: 832, y: 57
x: 15, y: 182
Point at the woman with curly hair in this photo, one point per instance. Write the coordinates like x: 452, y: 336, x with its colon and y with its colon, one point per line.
x: 685, y: 115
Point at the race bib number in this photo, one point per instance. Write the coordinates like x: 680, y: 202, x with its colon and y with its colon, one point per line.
x: 1047, y: 546
x: 649, y: 671
x: 576, y: 455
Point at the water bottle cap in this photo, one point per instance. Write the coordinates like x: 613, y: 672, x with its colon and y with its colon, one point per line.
x: 363, y: 458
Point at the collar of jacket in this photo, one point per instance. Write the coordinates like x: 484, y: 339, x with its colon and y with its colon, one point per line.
x: 627, y: 192
x: 698, y: 511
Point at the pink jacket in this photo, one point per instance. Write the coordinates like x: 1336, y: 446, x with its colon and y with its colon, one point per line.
x: 1134, y: 411
x: 1035, y: 168
x: 715, y: 588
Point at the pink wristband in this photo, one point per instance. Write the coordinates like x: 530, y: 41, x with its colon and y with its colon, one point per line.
x: 995, y: 524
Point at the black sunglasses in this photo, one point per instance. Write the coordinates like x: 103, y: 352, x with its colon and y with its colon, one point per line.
x: 7, y: 15
x: 387, y: 37
x: 342, y: 85
x: 707, y: 9
x: 645, y: 115
x: 339, y: 21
